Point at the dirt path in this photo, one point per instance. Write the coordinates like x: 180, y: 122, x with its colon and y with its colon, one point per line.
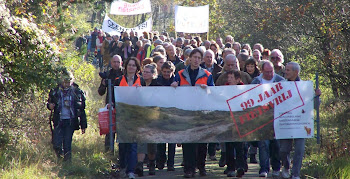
x: 186, y: 135
x: 213, y: 169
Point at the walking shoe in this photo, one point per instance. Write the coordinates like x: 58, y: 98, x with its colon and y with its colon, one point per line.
x: 160, y: 166
x: 225, y: 171
x: 231, y: 174
x: 182, y: 163
x: 276, y: 173
x: 253, y: 158
x: 152, y: 169
x: 213, y: 158
x: 122, y: 172
x: 222, y: 161
x: 131, y: 175
x: 202, y: 172
x: 240, y: 172
x: 295, y: 177
x: 263, y: 174
x: 171, y: 168
x: 139, y: 169
x: 285, y: 173
x: 189, y: 175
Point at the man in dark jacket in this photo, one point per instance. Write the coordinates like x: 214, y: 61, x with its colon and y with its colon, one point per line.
x: 68, y: 103
x: 194, y: 75
x: 116, y: 64
x: 210, y: 65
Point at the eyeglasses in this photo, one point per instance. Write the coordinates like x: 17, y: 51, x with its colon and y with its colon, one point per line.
x: 277, y: 58
x: 147, y: 72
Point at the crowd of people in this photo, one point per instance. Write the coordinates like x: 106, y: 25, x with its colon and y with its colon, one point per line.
x: 156, y: 59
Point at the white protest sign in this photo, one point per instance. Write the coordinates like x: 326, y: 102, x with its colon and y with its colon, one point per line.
x: 192, y: 19
x: 125, y: 8
x: 113, y: 28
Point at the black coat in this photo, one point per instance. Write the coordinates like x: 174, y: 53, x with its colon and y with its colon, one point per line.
x: 111, y: 74
x: 79, y: 120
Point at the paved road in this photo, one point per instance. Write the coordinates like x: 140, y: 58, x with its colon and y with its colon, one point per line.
x: 213, y: 169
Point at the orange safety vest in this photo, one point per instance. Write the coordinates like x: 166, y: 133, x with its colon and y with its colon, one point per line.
x: 124, y: 83
x: 200, y: 81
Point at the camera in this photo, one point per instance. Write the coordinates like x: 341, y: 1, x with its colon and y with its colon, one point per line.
x: 103, y: 75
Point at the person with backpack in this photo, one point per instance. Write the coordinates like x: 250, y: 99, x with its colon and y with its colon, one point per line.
x: 67, y: 102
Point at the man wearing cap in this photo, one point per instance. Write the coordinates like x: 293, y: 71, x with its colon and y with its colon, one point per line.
x: 68, y: 104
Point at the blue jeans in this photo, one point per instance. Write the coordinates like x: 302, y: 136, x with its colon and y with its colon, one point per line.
x: 269, y: 149
x: 128, y: 156
x: 299, y: 149
x: 62, y: 139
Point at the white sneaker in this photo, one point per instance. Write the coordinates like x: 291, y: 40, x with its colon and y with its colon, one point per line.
x: 263, y: 174
x: 295, y: 177
x: 131, y: 175
x: 285, y: 173
x: 276, y: 173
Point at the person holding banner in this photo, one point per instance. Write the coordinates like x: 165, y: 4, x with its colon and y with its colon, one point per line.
x: 150, y: 78
x: 128, y: 151
x: 117, y: 70
x: 166, y: 79
x: 268, y: 148
x: 292, y: 71
x: 194, y: 75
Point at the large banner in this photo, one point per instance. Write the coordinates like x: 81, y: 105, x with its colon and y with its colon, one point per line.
x: 124, y: 8
x: 113, y: 28
x: 216, y: 114
x: 192, y: 19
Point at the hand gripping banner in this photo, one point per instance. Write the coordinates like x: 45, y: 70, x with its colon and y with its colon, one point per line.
x: 216, y: 114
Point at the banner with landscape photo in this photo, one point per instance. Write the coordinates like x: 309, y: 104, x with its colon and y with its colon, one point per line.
x: 215, y: 114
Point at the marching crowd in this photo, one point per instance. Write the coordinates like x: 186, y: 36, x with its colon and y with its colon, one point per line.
x: 156, y: 59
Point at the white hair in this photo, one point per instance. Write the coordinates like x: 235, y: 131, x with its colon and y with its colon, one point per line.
x: 279, y: 53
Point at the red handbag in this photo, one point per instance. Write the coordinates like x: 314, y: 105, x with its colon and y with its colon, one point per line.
x: 103, y: 120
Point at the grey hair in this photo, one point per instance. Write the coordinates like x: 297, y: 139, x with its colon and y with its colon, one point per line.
x: 153, y: 68
x: 279, y: 53
x: 202, y: 49
x: 234, y: 59
x: 229, y: 50
x: 295, y: 66
x: 212, y: 54
x: 187, y: 52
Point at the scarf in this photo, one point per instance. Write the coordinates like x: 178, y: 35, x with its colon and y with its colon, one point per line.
x: 127, y: 50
